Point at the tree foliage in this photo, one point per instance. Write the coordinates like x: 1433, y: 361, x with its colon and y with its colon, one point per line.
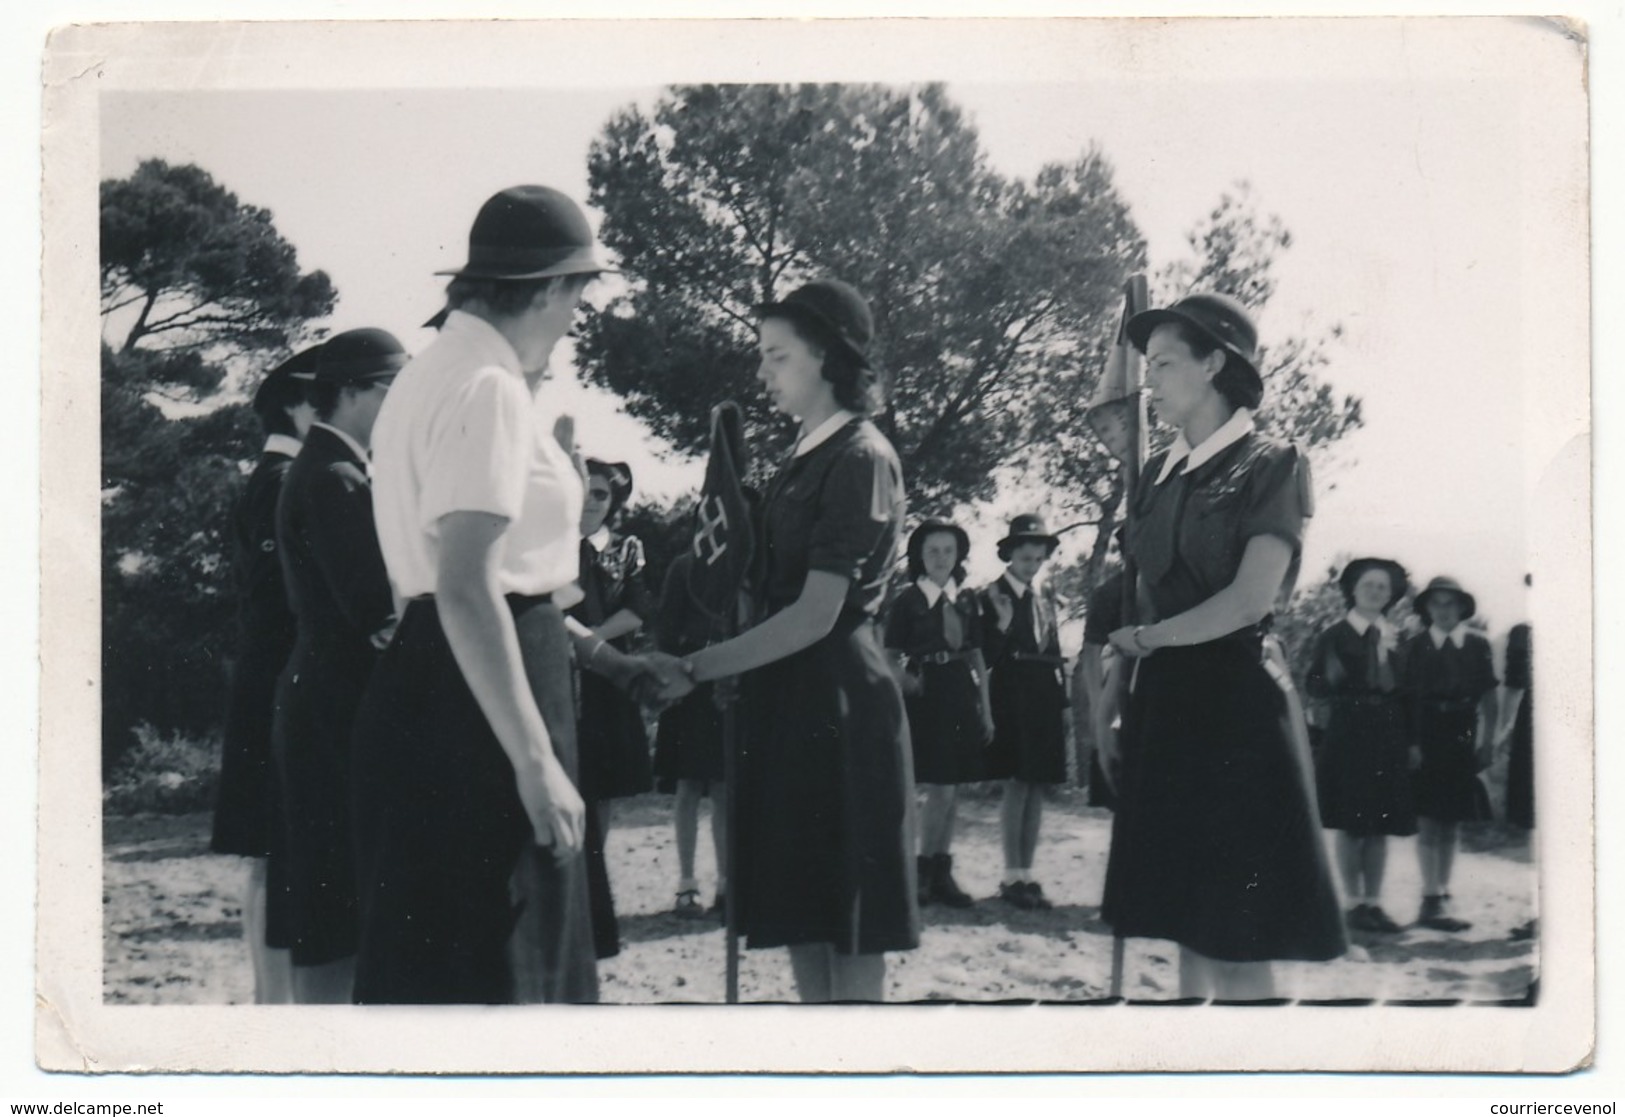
x: 194, y: 286
x: 986, y: 292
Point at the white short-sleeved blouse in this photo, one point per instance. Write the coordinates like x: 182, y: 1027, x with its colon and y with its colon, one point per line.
x: 460, y: 431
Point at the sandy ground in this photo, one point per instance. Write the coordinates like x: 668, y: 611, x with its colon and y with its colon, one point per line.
x: 172, y: 932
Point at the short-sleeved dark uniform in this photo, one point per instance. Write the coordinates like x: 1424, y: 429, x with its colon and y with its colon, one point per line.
x: 1216, y: 843
x: 614, y: 745
x: 1521, y: 758
x: 245, y: 815
x: 1026, y: 683
x: 688, y: 743
x: 340, y: 592
x: 1363, y: 768
x: 1105, y: 616
x: 1445, y: 685
x: 945, y: 719
x: 827, y: 830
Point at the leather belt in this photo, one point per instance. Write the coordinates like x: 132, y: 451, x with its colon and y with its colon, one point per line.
x: 1036, y: 657
x: 940, y: 658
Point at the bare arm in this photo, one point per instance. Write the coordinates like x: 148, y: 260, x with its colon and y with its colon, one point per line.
x: 485, y: 643
x: 621, y: 624
x: 806, y: 621
x: 1248, y: 599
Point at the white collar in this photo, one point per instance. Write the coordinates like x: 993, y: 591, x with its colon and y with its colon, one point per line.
x: 1016, y: 583
x: 1457, y: 635
x: 285, y: 444
x: 600, y: 538
x: 356, y: 448
x: 933, y: 591
x: 1360, y: 624
x: 481, y: 335
x: 1235, y: 428
x: 826, y: 431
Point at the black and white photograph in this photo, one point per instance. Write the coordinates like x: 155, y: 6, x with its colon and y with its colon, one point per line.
x: 637, y: 529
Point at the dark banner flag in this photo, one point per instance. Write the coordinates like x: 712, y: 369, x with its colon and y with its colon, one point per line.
x: 724, y: 541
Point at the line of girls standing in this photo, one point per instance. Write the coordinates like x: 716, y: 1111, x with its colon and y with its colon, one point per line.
x: 1409, y: 723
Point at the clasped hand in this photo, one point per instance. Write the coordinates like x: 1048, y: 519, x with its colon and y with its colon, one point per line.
x: 1124, y: 641
x: 658, y: 679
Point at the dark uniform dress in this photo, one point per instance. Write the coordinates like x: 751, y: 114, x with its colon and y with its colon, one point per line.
x: 1363, y: 768
x: 688, y: 743
x: 246, y: 815
x: 1521, y: 756
x: 1216, y: 843
x: 1027, y: 688
x: 1105, y: 616
x: 340, y: 592
x: 613, y: 745
x: 245, y: 812
x: 945, y: 718
x: 1445, y: 685
x: 828, y: 833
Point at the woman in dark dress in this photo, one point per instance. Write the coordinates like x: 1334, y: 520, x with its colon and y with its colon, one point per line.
x: 935, y: 631
x: 688, y: 744
x: 340, y: 592
x: 1363, y: 770
x: 1517, y: 736
x: 827, y: 833
x: 1450, y: 682
x: 1216, y: 843
x: 246, y: 815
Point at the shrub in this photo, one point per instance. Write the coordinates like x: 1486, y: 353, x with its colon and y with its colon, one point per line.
x: 163, y: 774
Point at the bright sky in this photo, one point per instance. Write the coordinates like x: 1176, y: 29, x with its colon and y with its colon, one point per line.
x: 1400, y: 193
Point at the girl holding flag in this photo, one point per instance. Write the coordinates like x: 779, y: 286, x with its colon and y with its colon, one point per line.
x: 827, y: 835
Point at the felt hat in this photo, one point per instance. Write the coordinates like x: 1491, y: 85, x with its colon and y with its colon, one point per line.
x: 355, y: 356
x: 1027, y: 528
x: 833, y: 305
x: 1398, y: 580
x: 1221, y: 319
x: 530, y: 232
x: 284, y: 385
x: 619, y: 476
x: 916, y: 544
x: 1440, y: 585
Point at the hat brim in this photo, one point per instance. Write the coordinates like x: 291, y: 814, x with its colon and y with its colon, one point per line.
x: 916, y: 539
x: 1469, y: 604
x: 582, y: 262
x: 805, y: 313
x: 1142, y: 324
x: 1010, y: 542
x: 1398, y: 579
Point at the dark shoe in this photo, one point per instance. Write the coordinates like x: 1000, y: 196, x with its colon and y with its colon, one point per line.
x: 1433, y: 917
x: 943, y: 885
x: 1377, y: 920
x: 1358, y: 918
x: 688, y: 904
x: 925, y: 876
x: 719, y: 906
x: 1016, y: 895
x: 1036, y: 897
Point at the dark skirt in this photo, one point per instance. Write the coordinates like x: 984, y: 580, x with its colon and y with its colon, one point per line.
x: 246, y: 812
x: 1521, y: 769
x: 688, y: 743
x: 827, y: 838
x: 614, y: 746
x: 1216, y: 842
x: 317, y: 697
x: 446, y: 866
x: 945, y: 724
x: 1363, y: 769
x: 1029, y: 726
x: 1446, y: 784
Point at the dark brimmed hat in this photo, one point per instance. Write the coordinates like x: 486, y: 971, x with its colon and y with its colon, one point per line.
x: 284, y: 386
x: 358, y: 355
x: 619, y: 476
x: 1026, y: 528
x: 916, y: 543
x: 530, y: 232
x: 1443, y: 584
x: 1398, y: 579
x: 833, y: 305
x: 1219, y: 317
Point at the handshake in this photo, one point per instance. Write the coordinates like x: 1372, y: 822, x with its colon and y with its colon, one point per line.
x: 654, y: 679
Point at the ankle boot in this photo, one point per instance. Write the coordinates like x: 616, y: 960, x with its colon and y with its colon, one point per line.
x: 943, y: 885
